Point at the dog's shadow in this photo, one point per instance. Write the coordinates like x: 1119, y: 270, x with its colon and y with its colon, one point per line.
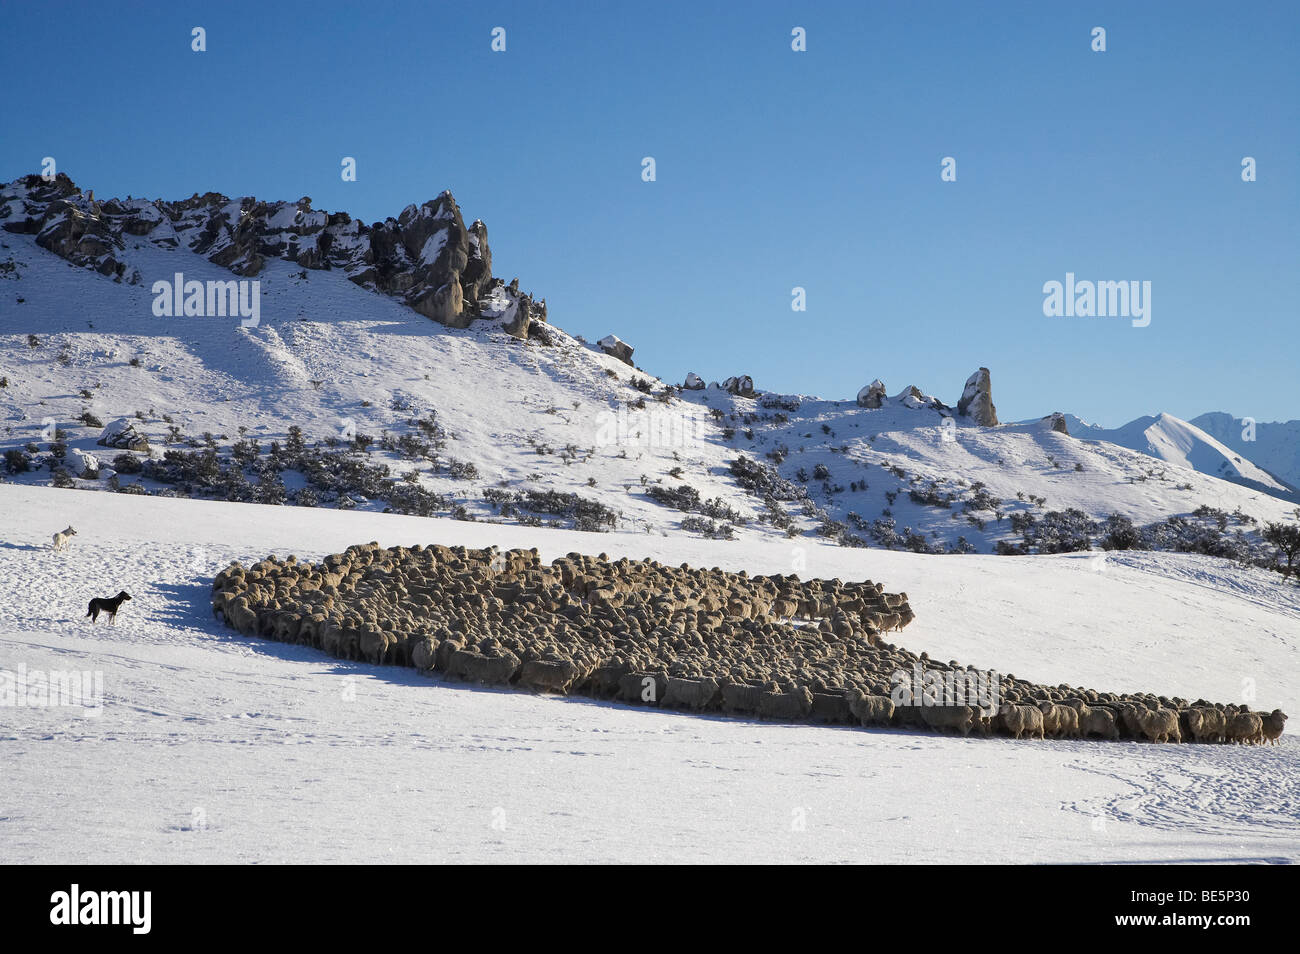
x: 22, y: 546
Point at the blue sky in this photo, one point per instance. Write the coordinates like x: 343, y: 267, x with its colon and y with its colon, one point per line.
x: 775, y: 169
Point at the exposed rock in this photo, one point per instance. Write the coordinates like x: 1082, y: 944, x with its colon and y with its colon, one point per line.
x: 519, y: 318
x: 426, y: 256
x: 742, y: 385
x: 478, y: 267
x: 1057, y: 421
x: 977, y: 400
x: 914, y: 397
x: 122, y: 433
x: 612, y: 345
x: 83, y: 464
x: 693, y: 382
x: 873, y: 395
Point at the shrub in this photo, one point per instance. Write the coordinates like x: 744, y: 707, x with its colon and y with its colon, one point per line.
x: 708, y: 528
x: 17, y: 461
x: 127, y: 464
x: 763, y: 480
x: 1286, y: 537
x: 461, y: 470
x: 1118, y: 533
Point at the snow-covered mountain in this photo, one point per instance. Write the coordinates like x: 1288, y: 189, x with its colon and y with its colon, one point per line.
x: 1272, y: 445
x: 1180, y: 442
x: 343, y: 393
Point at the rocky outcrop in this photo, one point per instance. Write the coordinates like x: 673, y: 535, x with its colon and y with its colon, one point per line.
x: 65, y: 222
x: 693, y: 382
x: 873, y: 395
x: 1056, y: 421
x: 122, y: 434
x: 742, y: 385
x: 977, y: 400
x: 615, y: 347
x: 914, y: 397
x: 426, y: 256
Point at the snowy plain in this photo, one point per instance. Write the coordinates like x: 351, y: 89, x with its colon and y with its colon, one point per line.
x: 211, y: 747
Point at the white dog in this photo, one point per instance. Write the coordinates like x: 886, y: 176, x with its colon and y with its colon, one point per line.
x: 63, y: 538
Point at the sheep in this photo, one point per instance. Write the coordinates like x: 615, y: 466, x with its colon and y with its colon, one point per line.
x: 1097, y: 721
x: 1243, y: 727
x: 1271, y: 726
x: 690, y: 693
x: 645, y: 688
x: 63, y: 539
x: 1021, y: 720
x: 871, y: 710
x: 831, y: 707
x: 488, y: 670
x: 1202, y: 724
x: 600, y: 627
x: 960, y: 719
x: 791, y: 705
x: 741, y: 697
x: 1059, y: 720
x: 424, y: 652
x: 1157, y: 725
x: 550, y: 675
x: 374, y: 645
x: 238, y: 615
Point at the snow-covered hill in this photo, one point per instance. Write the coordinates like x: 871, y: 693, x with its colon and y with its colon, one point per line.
x: 210, y: 747
x: 345, y: 394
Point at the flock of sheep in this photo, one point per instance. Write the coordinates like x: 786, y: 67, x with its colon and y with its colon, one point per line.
x: 684, y: 638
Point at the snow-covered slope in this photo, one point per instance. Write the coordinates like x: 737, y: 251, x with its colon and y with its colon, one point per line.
x: 214, y: 748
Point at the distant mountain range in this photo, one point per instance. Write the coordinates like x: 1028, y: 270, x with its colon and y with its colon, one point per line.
x: 1212, y: 450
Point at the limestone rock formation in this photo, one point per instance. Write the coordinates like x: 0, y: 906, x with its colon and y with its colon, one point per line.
x: 426, y: 256
x: 742, y: 385
x: 613, y: 345
x: 121, y: 433
x: 1057, y: 422
x: 977, y: 400
x: 873, y: 395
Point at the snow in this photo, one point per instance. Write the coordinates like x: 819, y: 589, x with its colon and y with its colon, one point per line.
x: 433, y: 245
x: 214, y: 748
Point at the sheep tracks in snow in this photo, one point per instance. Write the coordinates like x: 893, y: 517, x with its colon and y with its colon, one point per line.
x: 683, y: 638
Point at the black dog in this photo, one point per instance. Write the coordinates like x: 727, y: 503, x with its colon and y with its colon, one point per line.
x: 109, y: 606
